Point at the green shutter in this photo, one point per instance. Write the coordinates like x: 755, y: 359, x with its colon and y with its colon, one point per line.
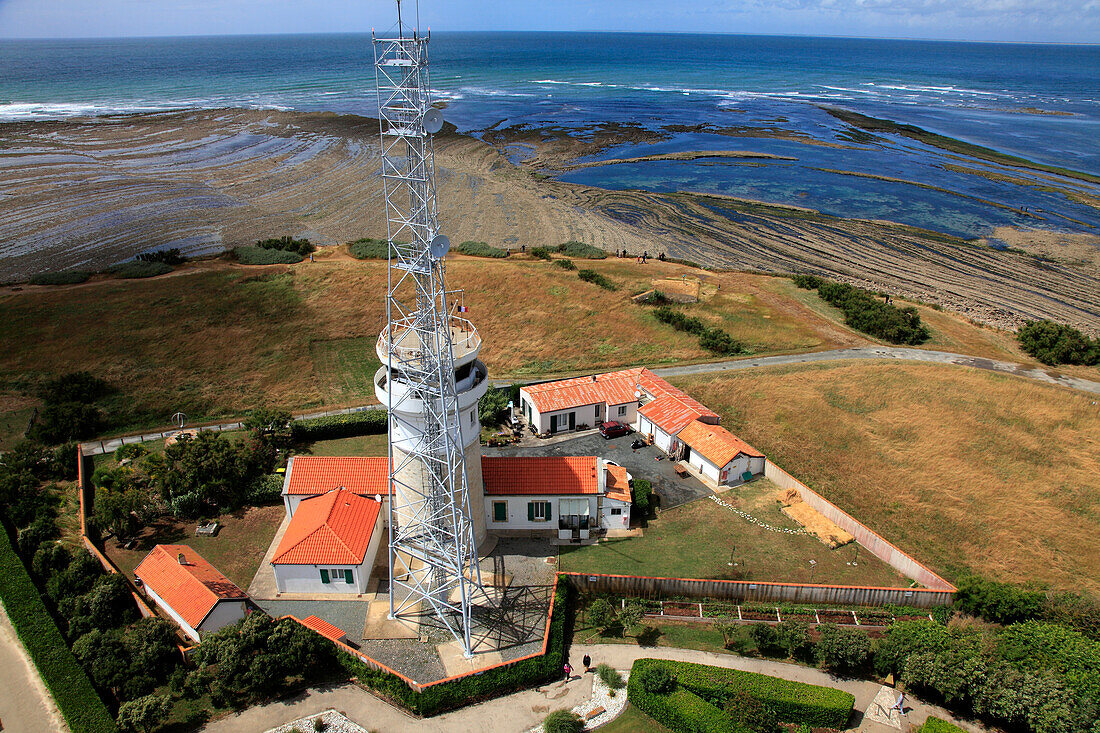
x: 530, y: 511
x: 324, y: 575
x: 500, y: 511
x: 348, y: 576
x: 548, y: 505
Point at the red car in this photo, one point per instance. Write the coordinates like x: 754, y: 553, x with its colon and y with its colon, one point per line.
x: 612, y: 429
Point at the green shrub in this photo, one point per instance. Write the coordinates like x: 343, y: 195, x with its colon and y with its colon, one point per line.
x: 591, y: 276
x: 288, y: 244
x: 266, y: 489
x: 655, y: 678
x: 563, y: 721
x: 480, y: 249
x: 261, y: 256
x: 167, y: 256
x: 714, y: 340
x: 370, y: 249
x: 765, y: 638
x: 749, y: 712
x: 439, y: 698
x: 807, y: 282
x: 610, y: 676
x: 348, y: 425
x: 66, y: 277
x: 82, y: 708
x: 938, y: 725
x: 581, y: 251
x: 565, y: 264
x: 136, y: 269
x: 640, y: 496
x: 131, y: 451
x: 719, y: 342
x: 682, y: 711
x: 843, y: 650
x: 864, y: 312
x: 492, y: 408
x: 600, y: 614
x: 541, y: 253
x: 999, y: 602
x: 1056, y: 343
x: 792, y: 702
x: 144, y: 713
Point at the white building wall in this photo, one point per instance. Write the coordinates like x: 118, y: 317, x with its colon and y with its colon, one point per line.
x: 224, y: 613
x: 187, y: 629
x: 756, y: 465
x: 704, y: 466
x: 307, y: 578
x: 609, y: 521
x: 517, y: 512
x: 665, y: 441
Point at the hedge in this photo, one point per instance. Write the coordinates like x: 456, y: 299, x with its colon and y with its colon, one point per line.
x: 581, y: 251
x: 71, y: 689
x: 792, y: 702
x: 66, y: 277
x: 938, y: 725
x: 348, y: 425
x: 864, y: 312
x: 682, y: 711
x: 591, y: 276
x: 262, y: 256
x: 486, y: 685
x: 480, y: 249
x: 370, y: 249
x: 138, y: 269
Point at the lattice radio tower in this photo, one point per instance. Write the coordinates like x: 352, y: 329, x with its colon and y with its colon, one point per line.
x: 433, y: 556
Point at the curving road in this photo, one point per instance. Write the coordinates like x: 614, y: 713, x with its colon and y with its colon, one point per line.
x: 859, y: 353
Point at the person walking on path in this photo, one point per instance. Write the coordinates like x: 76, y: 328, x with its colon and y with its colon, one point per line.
x: 568, y: 671
x: 587, y: 663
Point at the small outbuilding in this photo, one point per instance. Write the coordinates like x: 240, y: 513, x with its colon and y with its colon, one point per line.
x: 718, y: 454
x: 190, y: 590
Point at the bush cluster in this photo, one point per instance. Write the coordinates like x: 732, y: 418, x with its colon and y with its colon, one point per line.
x: 640, y: 494
x: 492, y: 408
x: 83, y: 709
x: 712, y: 339
x: 542, y: 253
x: 136, y: 269
x: 69, y: 411
x: 480, y: 249
x: 864, y: 312
x: 440, y: 698
x: 349, y: 425
x: 1056, y: 343
x: 66, y: 277
x: 1006, y: 603
x: 565, y: 264
x: 288, y: 244
x: 591, y: 276
x: 937, y: 725
x: 171, y: 256
x: 261, y: 256
x: 370, y: 249
x: 580, y: 250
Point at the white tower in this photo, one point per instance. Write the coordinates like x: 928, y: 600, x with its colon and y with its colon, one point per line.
x: 431, y: 378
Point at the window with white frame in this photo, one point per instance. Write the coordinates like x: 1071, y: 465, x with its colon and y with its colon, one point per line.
x: 616, y: 511
x: 538, y: 511
x: 622, y: 410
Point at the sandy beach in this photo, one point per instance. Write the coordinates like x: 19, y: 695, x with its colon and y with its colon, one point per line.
x: 86, y: 193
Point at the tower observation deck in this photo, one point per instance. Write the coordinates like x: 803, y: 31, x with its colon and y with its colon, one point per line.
x: 431, y: 378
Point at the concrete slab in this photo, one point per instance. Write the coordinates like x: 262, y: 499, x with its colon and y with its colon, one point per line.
x: 455, y: 661
x: 378, y: 626
x: 882, y: 710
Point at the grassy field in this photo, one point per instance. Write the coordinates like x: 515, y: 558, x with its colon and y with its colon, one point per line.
x: 236, y: 551
x: 679, y: 635
x: 697, y: 540
x: 364, y: 445
x: 215, y: 339
x: 965, y: 469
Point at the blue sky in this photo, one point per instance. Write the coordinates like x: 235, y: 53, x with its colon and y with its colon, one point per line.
x: 1075, y: 21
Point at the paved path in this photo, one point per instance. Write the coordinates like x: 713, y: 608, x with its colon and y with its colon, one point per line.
x: 860, y: 353
x: 25, y: 704
x: 525, y: 710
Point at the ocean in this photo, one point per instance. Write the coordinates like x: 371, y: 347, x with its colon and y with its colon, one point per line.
x: 1038, y: 102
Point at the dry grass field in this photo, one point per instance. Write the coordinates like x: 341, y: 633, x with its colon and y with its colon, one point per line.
x: 216, y: 339
x: 966, y: 469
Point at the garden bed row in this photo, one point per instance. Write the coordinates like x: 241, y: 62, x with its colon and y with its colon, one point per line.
x: 704, y: 611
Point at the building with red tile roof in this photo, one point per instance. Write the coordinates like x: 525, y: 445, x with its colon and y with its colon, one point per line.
x: 719, y: 454
x: 539, y: 476
x: 308, y: 476
x: 190, y: 590
x: 329, y: 544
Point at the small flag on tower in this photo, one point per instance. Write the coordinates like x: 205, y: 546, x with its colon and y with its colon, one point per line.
x: 462, y: 309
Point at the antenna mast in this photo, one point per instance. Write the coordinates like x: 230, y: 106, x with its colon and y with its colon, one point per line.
x: 433, y: 554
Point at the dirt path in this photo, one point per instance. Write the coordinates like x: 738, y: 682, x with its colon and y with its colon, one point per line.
x: 25, y: 704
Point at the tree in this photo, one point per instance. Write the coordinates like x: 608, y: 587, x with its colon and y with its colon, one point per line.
x: 124, y: 513
x: 203, y: 473
x: 630, y: 616
x: 765, y: 638
x: 144, y: 714
x: 794, y: 637
x: 270, y: 427
x: 151, y: 643
x: 492, y: 408
x: 563, y: 721
x: 105, y: 657
x: 600, y: 614
x: 42, y: 529
x: 640, y: 496
x: 843, y: 650
x: 727, y: 628
x: 66, y: 421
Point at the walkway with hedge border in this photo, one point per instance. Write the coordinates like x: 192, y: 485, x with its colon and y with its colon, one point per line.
x: 525, y: 710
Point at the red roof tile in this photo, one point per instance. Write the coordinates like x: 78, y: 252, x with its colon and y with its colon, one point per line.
x: 612, y: 388
x: 322, y: 627
x: 671, y: 413
x: 191, y: 590
x: 618, y: 485
x: 312, y: 475
x: 332, y: 529
x: 715, y: 443
x: 545, y: 476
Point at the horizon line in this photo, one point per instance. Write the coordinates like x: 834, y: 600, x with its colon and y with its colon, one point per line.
x: 914, y: 39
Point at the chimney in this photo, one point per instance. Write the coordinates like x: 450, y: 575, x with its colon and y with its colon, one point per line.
x: 182, y: 560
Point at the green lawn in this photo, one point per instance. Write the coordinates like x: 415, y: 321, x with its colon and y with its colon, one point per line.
x: 675, y: 634
x: 363, y: 445
x: 345, y: 367
x: 633, y: 720
x: 698, y: 540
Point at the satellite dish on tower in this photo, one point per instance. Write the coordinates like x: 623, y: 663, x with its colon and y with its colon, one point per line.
x: 433, y: 121
x: 179, y: 420
x: 440, y: 246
